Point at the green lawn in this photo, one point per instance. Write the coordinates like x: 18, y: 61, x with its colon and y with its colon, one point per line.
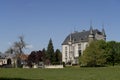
x: 104, y: 73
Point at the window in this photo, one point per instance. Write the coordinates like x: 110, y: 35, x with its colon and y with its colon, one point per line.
x: 79, y: 46
x: 65, y: 59
x: 65, y: 48
x: 79, y: 49
x: 66, y: 53
x: 4, y: 62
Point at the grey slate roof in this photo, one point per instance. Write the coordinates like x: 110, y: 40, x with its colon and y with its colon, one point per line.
x: 3, y: 56
x: 80, y: 36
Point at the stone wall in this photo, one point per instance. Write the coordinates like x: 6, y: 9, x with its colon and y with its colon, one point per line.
x: 53, y: 66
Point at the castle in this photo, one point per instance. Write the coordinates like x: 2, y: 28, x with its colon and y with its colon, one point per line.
x: 75, y: 43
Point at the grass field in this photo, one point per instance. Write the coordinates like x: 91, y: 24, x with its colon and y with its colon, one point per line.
x: 104, y: 73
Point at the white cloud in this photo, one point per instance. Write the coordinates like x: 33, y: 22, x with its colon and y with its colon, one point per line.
x: 29, y: 46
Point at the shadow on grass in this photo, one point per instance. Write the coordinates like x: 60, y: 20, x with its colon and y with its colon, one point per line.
x: 18, y: 79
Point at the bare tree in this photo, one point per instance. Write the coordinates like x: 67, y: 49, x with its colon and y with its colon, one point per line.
x: 17, y: 49
x: 20, y: 45
x: 9, y: 51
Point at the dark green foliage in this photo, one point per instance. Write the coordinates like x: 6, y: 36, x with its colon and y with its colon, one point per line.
x: 52, y: 57
x: 63, y: 64
x: 113, y: 52
x: 100, y: 53
x: 58, y: 56
x: 47, y: 56
x: 94, y: 55
x: 50, y: 52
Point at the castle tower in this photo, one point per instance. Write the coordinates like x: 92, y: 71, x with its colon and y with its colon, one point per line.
x: 70, y: 49
x: 91, y: 34
x: 103, y: 33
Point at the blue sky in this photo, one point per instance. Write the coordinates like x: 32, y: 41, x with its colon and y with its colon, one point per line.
x: 40, y: 20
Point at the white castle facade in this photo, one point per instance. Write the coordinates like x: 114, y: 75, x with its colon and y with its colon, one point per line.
x: 75, y: 43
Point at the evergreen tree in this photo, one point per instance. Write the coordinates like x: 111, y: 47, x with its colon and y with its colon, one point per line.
x: 50, y: 51
x: 58, y: 56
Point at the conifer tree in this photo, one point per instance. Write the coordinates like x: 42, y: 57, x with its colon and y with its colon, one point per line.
x: 50, y: 51
x: 58, y: 56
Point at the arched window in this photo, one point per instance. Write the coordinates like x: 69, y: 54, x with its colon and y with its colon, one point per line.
x: 9, y: 61
x: 79, y: 49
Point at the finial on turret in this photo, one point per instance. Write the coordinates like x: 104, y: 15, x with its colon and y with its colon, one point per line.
x: 91, y: 28
x: 70, y: 37
x: 103, y: 30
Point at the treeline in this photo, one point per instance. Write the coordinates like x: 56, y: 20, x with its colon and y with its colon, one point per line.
x: 48, y: 57
x: 101, y: 53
